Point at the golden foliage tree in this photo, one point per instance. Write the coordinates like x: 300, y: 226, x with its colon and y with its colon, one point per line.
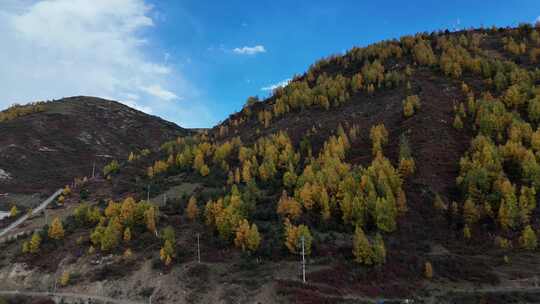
x: 192, y: 211
x: 128, y: 254
x: 247, y: 237
x: 410, y: 105
x: 423, y: 53
x: 127, y: 210
x: 362, y: 250
x: 113, y: 209
x: 56, y: 231
x: 470, y: 212
x: 166, y: 253
x: 14, y: 211
x: 385, y: 214
x: 110, y: 237
x: 379, y: 137
x: 458, y: 123
x: 293, y: 238
x: 428, y: 270
x: 204, y: 171
x: 406, y: 161
x: 379, y: 250
x: 289, y: 207
x: 127, y: 235
x: 150, y: 219
x: 64, y: 278
x: 306, y: 196
x: 528, y: 239
x: 466, y: 232
x: 35, y: 242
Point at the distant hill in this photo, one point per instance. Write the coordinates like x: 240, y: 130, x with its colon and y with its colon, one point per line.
x: 45, y: 148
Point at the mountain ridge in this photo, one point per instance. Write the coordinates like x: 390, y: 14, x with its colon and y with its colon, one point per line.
x: 73, y: 133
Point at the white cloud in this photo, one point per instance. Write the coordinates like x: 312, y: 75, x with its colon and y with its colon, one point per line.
x: 136, y: 105
x: 276, y: 85
x: 157, y: 91
x: 250, y: 50
x: 537, y: 19
x: 57, y: 48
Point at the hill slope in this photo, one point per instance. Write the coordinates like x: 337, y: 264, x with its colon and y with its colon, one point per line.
x: 328, y: 158
x: 47, y: 149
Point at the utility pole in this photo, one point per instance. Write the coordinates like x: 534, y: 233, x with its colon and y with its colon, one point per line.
x: 54, y: 286
x: 93, y: 169
x: 198, y: 249
x: 303, y: 261
x: 155, y: 290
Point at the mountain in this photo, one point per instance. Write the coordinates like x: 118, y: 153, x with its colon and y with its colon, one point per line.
x: 404, y: 170
x: 50, y: 146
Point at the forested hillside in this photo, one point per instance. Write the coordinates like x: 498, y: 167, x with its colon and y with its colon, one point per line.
x: 398, y: 169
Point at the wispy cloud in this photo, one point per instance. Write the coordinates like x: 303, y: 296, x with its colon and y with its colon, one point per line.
x: 250, y: 50
x: 157, y: 91
x: 276, y: 85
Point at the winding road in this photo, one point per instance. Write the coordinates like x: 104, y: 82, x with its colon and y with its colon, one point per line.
x: 23, y: 218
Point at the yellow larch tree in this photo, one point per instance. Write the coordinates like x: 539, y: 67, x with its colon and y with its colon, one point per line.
x: 56, y: 231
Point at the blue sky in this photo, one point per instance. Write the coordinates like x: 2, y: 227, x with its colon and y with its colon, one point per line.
x: 196, y: 62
